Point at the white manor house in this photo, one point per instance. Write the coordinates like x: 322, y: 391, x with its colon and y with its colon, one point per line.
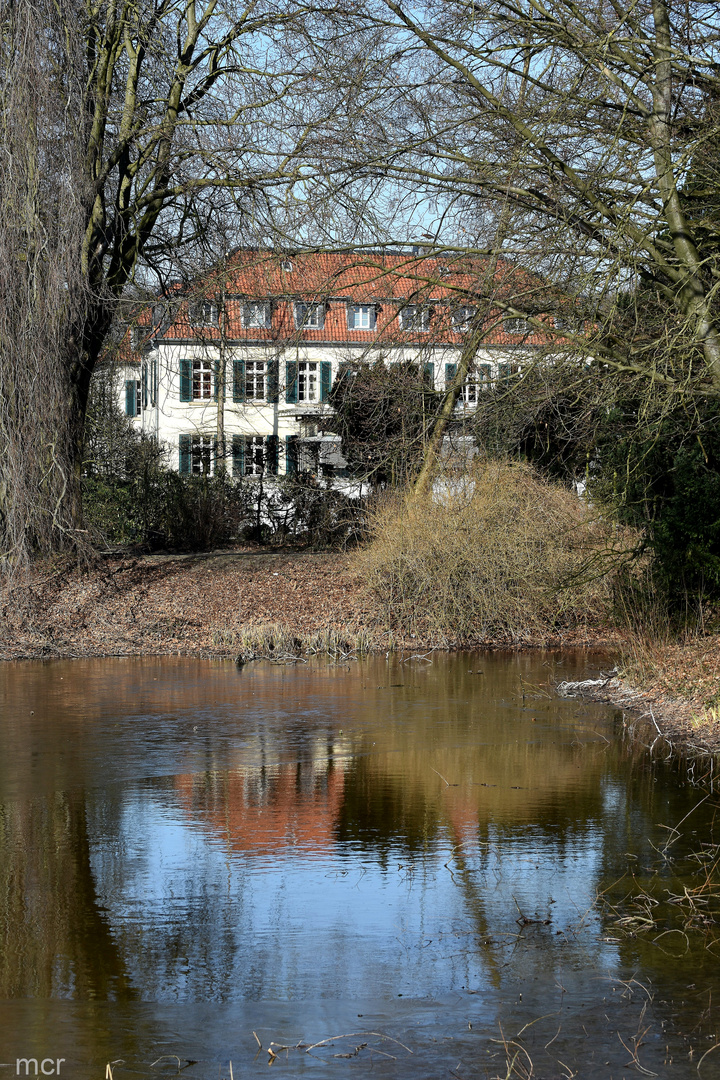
x: 244, y: 363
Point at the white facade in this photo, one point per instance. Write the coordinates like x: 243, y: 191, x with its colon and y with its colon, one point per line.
x: 251, y: 371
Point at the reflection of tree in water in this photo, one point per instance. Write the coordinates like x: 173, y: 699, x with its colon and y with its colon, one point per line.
x: 55, y: 940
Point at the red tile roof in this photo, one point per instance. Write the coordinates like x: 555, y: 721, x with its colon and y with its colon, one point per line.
x: 387, y: 280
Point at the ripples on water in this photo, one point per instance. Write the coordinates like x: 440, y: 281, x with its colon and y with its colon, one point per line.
x: 192, y: 853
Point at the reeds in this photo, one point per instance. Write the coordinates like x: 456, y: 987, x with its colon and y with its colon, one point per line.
x: 279, y: 641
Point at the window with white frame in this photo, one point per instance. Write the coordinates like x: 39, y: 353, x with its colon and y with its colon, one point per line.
x: 256, y: 314
x: 415, y: 317
x: 308, y: 381
x: 310, y: 316
x: 361, y: 317
x: 479, y: 378
x: 197, y: 454
x: 254, y: 455
x: 255, y: 375
x: 462, y: 318
x: 470, y: 393
x: 515, y: 325
x: 202, y: 313
x: 202, y: 380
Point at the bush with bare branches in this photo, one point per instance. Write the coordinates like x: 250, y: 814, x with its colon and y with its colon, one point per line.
x: 499, y: 555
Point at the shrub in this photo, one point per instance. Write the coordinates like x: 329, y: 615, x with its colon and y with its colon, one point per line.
x: 501, y: 554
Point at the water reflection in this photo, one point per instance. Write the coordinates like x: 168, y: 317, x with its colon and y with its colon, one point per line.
x: 338, y: 838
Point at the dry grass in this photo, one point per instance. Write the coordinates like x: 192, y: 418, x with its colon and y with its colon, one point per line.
x: 500, y: 555
x: 280, y: 641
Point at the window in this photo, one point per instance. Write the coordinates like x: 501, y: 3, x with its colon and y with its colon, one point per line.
x: 308, y: 381
x: 506, y: 371
x: 462, y: 318
x: 197, y: 454
x: 478, y: 379
x: 310, y: 316
x: 202, y: 313
x: 469, y: 393
x: 257, y: 314
x: 202, y: 380
x: 255, y: 380
x: 515, y: 326
x: 198, y: 380
x: 414, y: 317
x: 286, y: 266
x: 254, y: 455
x: 361, y: 317
x: 133, y: 397
x: 567, y: 322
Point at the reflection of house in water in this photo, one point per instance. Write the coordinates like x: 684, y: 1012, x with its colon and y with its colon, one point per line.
x: 268, y: 809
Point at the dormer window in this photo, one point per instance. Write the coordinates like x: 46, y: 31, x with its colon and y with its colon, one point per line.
x: 515, y: 326
x: 361, y: 316
x: 462, y: 318
x: 309, y: 316
x: 286, y: 266
x: 257, y: 315
x: 202, y: 313
x: 567, y: 322
x: 414, y: 317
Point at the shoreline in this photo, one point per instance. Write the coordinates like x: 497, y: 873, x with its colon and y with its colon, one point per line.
x: 216, y: 605
x: 230, y: 604
x: 672, y: 720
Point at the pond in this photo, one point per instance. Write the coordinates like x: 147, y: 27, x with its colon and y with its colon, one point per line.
x: 418, y: 867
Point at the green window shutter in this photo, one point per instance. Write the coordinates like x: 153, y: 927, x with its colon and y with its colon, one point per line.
x: 130, y: 398
x: 291, y: 457
x: 238, y: 380
x: 238, y: 455
x: 186, y: 380
x: 184, y: 453
x: 217, y: 381
x: 291, y: 383
x: 429, y: 375
x: 145, y: 385
x: 271, y: 455
x: 273, y: 381
x: 484, y: 373
x: 325, y: 379
x: 154, y: 382
x: 450, y: 375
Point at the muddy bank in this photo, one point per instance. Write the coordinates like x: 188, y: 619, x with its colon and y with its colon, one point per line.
x: 684, y: 726
x: 192, y: 605
x: 205, y: 604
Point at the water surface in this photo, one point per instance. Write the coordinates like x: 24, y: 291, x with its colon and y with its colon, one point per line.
x: 406, y: 854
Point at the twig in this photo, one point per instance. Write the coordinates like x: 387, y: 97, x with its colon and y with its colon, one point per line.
x: 356, y: 1035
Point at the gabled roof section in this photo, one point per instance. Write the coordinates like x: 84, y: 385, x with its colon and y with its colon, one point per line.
x: 390, y: 281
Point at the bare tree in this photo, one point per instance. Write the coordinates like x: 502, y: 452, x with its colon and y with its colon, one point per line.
x: 584, y: 124
x: 126, y: 124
